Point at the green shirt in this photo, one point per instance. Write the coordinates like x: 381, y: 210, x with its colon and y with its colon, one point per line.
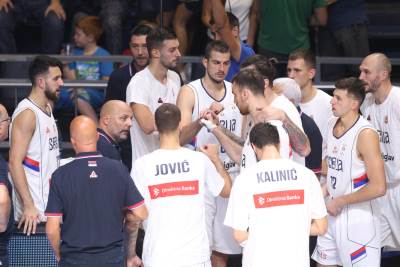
x: 284, y: 24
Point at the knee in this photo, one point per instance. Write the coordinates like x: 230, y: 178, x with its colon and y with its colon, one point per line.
x: 53, y: 23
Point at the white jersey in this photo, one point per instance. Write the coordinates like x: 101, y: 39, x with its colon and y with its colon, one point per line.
x: 42, y: 157
x: 145, y: 89
x: 249, y: 157
x: 275, y: 200
x: 385, y: 117
x: 229, y: 118
x: 346, y: 172
x: 173, y: 184
x: 319, y: 109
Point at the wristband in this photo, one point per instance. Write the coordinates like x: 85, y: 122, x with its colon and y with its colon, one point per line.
x: 208, y: 124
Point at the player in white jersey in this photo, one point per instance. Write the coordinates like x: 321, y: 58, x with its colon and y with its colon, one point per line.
x: 314, y: 102
x: 252, y: 88
x: 173, y: 180
x: 383, y: 112
x: 355, y: 178
x: 194, y: 99
x: 149, y: 88
x: 275, y: 205
x: 34, y: 149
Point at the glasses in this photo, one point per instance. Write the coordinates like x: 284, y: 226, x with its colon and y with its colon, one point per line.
x: 8, y: 120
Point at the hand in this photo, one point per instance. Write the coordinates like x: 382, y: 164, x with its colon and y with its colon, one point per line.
x: 211, y: 151
x: 7, y: 5
x: 209, y: 115
x: 335, y: 206
x: 134, y: 262
x: 216, y: 108
x: 268, y: 113
x: 57, y: 8
x: 30, y: 218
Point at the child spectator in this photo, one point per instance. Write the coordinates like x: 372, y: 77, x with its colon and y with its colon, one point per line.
x: 87, y: 32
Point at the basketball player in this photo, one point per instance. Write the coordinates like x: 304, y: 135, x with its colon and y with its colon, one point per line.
x: 195, y: 97
x: 384, y: 114
x: 172, y: 181
x: 275, y: 205
x: 34, y: 151
x: 355, y: 178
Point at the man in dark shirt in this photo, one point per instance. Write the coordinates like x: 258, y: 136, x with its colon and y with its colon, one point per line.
x: 6, y: 212
x: 90, y: 196
x: 119, y: 79
x: 115, y: 121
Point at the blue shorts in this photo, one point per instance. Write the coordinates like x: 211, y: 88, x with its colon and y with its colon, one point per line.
x: 94, y: 97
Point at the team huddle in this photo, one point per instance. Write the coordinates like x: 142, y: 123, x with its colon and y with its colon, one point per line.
x: 218, y: 168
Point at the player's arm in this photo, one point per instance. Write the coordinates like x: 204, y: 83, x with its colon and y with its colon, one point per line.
x: 144, y: 117
x: 185, y: 102
x: 319, y: 226
x: 211, y: 150
x: 369, y: 152
x: 22, y: 131
x: 53, y: 232
x: 224, y: 29
x: 5, y: 207
x: 131, y: 228
x: 320, y: 17
x: 240, y: 236
x: 231, y: 143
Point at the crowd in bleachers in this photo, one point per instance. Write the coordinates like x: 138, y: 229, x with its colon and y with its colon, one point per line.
x: 255, y: 79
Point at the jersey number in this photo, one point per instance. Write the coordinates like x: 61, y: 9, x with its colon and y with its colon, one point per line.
x: 333, y: 182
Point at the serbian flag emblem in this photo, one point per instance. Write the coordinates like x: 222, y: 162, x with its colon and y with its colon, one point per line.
x: 92, y: 163
x: 358, y: 255
x: 360, y: 181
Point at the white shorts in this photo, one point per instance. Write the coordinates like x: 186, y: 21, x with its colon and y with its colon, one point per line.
x: 210, y: 211
x: 390, y: 218
x: 224, y: 242
x: 353, y: 238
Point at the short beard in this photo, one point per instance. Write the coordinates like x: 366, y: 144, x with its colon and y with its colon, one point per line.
x: 213, y: 79
x: 50, y: 96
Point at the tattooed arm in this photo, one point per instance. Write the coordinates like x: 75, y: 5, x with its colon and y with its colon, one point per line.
x: 232, y: 144
x: 131, y: 228
x: 298, y: 139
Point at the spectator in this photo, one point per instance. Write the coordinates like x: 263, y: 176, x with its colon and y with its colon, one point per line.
x: 292, y: 206
x: 149, y: 88
x: 87, y: 33
x: 346, y: 35
x: 88, y: 200
x: 6, y: 210
x: 314, y: 102
x: 184, y: 11
x: 112, y: 14
x: 48, y: 13
x: 176, y: 228
x: 284, y: 26
x: 247, y: 21
x: 225, y: 27
x: 34, y: 149
x: 119, y: 79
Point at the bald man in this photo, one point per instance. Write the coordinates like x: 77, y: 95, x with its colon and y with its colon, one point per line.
x: 91, y: 196
x: 115, y: 121
x: 382, y: 110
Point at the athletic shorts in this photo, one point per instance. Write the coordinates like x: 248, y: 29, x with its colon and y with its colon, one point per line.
x: 353, y: 238
x: 224, y: 242
x: 390, y: 218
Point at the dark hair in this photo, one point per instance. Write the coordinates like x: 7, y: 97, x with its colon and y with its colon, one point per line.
x: 265, y: 66
x: 156, y: 37
x: 167, y: 117
x: 354, y: 86
x: 217, y: 46
x: 251, y: 79
x: 91, y: 25
x: 233, y: 20
x: 141, y: 29
x: 264, y: 134
x: 306, y: 54
x: 40, y: 65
